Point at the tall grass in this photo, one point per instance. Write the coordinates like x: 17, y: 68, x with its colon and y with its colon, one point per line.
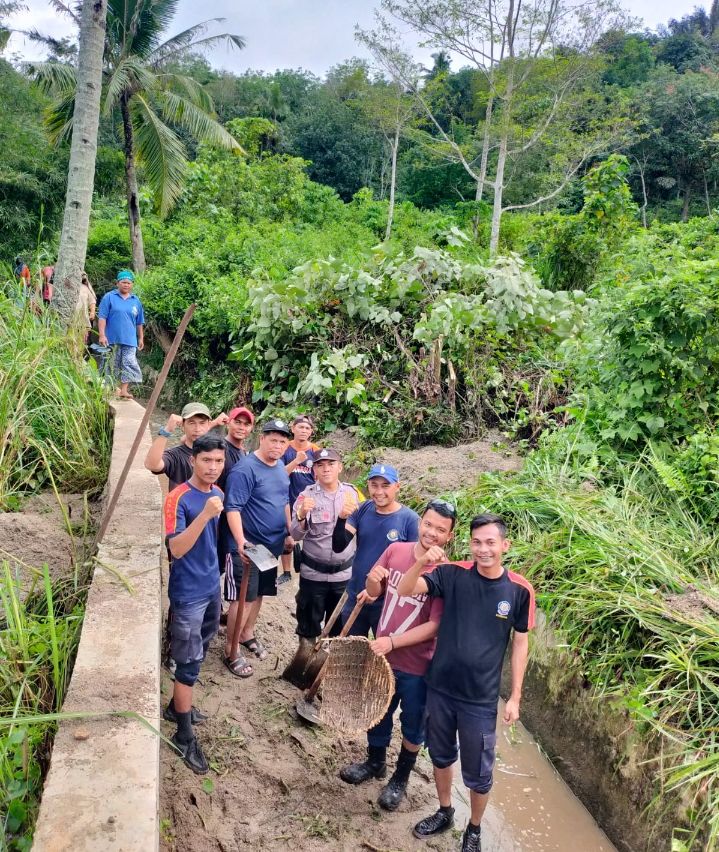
x: 53, y: 407
x: 630, y: 578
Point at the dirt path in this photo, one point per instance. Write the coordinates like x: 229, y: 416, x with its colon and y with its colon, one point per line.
x: 274, y: 781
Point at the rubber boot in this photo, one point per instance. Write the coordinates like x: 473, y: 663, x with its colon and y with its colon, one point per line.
x: 394, y: 790
x: 374, y: 767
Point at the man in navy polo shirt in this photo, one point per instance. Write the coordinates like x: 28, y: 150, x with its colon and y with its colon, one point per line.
x: 192, y: 512
x: 377, y: 523
x: 484, y: 605
x: 121, y: 324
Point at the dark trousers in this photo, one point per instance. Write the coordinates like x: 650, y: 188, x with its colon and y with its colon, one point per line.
x: 316, y: 600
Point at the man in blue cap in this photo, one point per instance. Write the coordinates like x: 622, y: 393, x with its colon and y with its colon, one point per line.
x: 377, y: 523
x: 121, y: 324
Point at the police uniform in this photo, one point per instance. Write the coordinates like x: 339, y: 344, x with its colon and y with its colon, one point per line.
x: 324, y: 574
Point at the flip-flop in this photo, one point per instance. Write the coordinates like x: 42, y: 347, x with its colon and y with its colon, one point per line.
x: 254, y: 646
x: 238, y: 667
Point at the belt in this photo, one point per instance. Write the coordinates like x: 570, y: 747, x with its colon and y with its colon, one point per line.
x: 324, y: 567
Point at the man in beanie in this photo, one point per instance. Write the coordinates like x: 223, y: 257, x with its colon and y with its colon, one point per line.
x: 121, y: 324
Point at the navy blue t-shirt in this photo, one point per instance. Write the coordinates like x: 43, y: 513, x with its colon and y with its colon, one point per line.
x: 259, y: 492
x: 375, y: 532
x: 302, y: 475
x: 194, y: 576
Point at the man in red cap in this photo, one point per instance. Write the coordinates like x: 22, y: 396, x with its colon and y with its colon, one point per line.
x: 239, y: 426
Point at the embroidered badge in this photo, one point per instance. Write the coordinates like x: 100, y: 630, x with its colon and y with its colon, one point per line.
x: 392, y: 535
x: 503, y: 608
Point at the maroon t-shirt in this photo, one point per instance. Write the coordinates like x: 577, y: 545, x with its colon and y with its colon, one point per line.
x: 400, y: 614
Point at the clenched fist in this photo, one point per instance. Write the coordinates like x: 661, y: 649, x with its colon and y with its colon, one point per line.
x: 306, y: 505
x: 378, y: 574
x: 301, y: 456
x: 349, y: 504
x: 174, y: 421
x: 433, y: 555
x: 213, y: 507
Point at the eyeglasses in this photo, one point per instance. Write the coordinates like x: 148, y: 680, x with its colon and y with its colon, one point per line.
x: 443, y: 505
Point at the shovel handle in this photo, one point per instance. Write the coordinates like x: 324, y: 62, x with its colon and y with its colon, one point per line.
x: 312, y: 691
x: 335, y: 615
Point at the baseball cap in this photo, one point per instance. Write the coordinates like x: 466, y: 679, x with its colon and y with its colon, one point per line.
x: 242, y: 412
x: 327, y: 454
x: 303, y: 418
x: 193, y: 408
x: 384, y: 470
x: 276, y: 425
x: 125, y: 275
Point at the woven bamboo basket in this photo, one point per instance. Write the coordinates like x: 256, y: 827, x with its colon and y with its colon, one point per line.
x: 357, y: 687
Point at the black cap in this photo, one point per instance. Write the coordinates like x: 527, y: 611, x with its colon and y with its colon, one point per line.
x: 277, y: 425
x: 327, y: 454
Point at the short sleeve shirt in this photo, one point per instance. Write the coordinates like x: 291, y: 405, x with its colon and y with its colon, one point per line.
x: 122, y: 318
x: 479, y: 616
x: 375, y: 532
x: 194, y: 576
x: 316, y: 531
x: 233, y: 455
x: 259, y: 492
x: 302, y: 475
x: 400, y: 614
x: 177, y: 465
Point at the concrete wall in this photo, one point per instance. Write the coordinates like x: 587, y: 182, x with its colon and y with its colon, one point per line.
x: 102, y: 790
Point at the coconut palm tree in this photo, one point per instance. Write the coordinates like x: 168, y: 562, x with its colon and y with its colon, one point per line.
x: 150, y: 99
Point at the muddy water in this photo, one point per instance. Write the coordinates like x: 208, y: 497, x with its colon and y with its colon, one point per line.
x: 531, y: 808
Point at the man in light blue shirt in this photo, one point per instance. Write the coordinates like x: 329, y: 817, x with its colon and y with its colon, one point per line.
x: 121, y: 324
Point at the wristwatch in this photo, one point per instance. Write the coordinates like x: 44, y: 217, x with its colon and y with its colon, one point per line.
x: 163, y: 433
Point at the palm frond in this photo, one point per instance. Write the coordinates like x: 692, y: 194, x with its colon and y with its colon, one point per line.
x: 130, y: 75
x: 187, y: 41
x: 162, y: 154
x: 59, y: 118
x: 53, y: 78
x: 136, y: 26
x: 199, y: 124
x: 189, y: 88
x: 66, y: 9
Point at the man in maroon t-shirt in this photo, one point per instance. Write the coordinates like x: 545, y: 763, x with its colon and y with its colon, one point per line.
x: 406, y: 635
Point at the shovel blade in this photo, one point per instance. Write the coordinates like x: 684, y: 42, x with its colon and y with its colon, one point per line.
x: 309, y: 711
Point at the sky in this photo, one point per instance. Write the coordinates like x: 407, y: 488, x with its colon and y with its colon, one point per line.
x: 309, y: 34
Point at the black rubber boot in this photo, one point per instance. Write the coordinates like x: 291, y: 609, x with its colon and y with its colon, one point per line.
x: 394, y: 790
x: 374, y: 767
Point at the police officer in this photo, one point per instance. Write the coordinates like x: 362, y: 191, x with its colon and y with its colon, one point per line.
x: 324, y: 574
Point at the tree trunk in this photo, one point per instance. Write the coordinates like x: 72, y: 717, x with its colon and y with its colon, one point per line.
x: 502, y: 159
x: 393, y: 181
x: 706, y: 194
x: 687, y: 199
x: 645, y: 200
x: 83, y: 151
x: 483, y: 162
x: 133, y: 199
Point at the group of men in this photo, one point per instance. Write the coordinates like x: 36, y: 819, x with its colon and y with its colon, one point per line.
x: 444, y: 627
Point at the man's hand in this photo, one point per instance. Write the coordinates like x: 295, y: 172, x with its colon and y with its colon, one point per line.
x: 511, y: 711
x: 174, y: 421
x: 289, y: 544
x: 141, y: 344
x: 102, y: 338
x: 301, y: 456
x: 381, y: 646
x: 349, y: 504
x: 307, y: 504
x: 213, y: 508
x: 378, y: 574
x: 365, y: 597
x: 432, y: 556
x: 221, y: 420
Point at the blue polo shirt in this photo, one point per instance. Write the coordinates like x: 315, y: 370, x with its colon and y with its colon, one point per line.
x: 194, y: 576
x: 259, y: 492
x: 122, y: 316
x: 375, y: 533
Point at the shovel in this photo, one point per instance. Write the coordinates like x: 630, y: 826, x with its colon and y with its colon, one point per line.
x: 302, y: 668
x: 306, y: 707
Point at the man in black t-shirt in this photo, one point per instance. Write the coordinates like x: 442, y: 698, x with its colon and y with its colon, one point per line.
x: 484, y: 604
x: 175, y: 462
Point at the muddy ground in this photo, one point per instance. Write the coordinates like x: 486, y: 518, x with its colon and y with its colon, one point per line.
x: 39, y: 534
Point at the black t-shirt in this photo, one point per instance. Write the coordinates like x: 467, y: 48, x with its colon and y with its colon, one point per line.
x: 233, y: 454
x: 178, y: 467
x: 479, y: 616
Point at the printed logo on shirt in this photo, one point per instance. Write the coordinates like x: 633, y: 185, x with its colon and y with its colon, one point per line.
x: 503, y: 608
x: 393, y: 535
x: 134, y: 311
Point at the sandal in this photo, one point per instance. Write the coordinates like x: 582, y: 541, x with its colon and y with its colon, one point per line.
x: 254, y: 646
x: 239, y: 667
